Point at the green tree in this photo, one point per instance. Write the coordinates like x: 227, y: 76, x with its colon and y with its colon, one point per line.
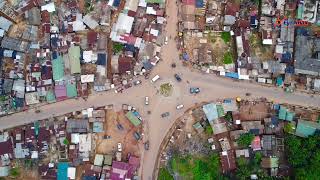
x: 14, y: 172
x: 209, y: 130
x: 66, y: 142
x: 117, y: 47
x: 228, y: 116
x: 288, y: 128
x: 164, y: 174
x: 245, y: 139
x: 243, y: 171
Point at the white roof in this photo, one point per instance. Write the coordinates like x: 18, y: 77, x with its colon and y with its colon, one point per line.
x: 78, y: 26
x: 5, y: 23
x: 131, y: 5
x: 87, y: 78
x: 267, y: 41
x: 84, y: 142
x: 72, y: 172
x: 279, y: 49
x: 89, y: 56
x: 49, y: 7
x: 90, y: 22
x: 154, y: 32
x: 75, y: 138
x: 1, y: 32
x: 240, y: 49
x: 124, y: 23
x: 142, y: 3
x: 150, y: 10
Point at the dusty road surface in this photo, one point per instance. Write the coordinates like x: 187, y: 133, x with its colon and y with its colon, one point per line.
x: 212, y: 87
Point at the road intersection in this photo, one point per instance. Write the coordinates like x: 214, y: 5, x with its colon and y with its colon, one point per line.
x: 212, y: 87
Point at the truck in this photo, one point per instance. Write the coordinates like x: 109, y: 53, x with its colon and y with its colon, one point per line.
x: 155, y: 78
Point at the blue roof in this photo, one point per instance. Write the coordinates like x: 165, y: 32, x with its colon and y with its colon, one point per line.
x: 286, y: 57
x: 199, y: 3
x: 54, y: 55
x: 129, y: 47
x: 62, y: 171
x: 253, y: 20
x: 279, y: 81
x: 116, y: 3
x: 289, y: 69
x: 232, y: 75
x: 211, y: 111
x: 19, y: 102
x: 147, y: 65
x: 89, y: 178
x: 102, y: 59
x: 275, y: 120
x: 185, y: 56
x: 254, y: 131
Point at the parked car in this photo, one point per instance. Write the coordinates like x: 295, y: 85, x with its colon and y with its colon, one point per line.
x: 129, y: 85
x: 166, y: 114
x: 146, y: 100
x: 146, y: 145
x: 248, y: 94
x: 180, y: 106
x: 194, y: 90
x: 173, y: 65
x: 137, y: 82
x: 119, y: 147
x: 106, y: 137
x: 119, y: 90
x: 155, y: 78
x: 120, y: 127
x: 137, y: 136
x: 166, y: 40
x: 178, y: 78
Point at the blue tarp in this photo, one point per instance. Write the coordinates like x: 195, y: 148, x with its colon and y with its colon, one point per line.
x: 276, y: 106
x: 199, y: 3
x: 147, y: 65
x: 185, y: 56
x: 286, y: 57
x: 232, y: 75
x: 54, y: 55
x: 289, y: 69
x: 253, y: 20
x: 116, y: 3
x: 62, y: 171
x: 102, y: 59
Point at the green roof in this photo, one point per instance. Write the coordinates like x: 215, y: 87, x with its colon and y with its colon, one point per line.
x: 58, y: 68
x: 108, y: 159
x: 274, y: 162
x: 220, y: 110
x: 51, y: 98
x: 306, y: 128
x: 133, y: 119
x: 72, y: 90
x: 284, y: 114
x: 155, y: 1
x: 74, y: 58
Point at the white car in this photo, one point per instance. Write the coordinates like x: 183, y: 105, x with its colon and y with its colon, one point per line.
x: 180, y: 106
x: 166, y: 40
x: 146, y: 100
x: 119, y: 147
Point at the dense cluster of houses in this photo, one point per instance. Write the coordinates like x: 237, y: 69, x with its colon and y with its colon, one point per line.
x: 58, y: 147
x: 268, y: 131
x: 277, y: 28
x: 51, y: 51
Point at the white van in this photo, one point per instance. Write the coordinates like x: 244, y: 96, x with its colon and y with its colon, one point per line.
x: 154, y: 79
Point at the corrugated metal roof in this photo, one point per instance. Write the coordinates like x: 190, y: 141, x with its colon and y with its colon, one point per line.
x: 133, y: 119
x: 74, y: 57
x: 306, y: 128
x: 58, y: 68
x: 211, y: 111
x: 62, y: 171
x: 72, y: 90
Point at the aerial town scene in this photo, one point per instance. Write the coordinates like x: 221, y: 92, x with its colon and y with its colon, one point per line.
x: 160, y: 89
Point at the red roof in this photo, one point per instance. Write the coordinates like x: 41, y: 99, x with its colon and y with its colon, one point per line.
x: 6, y: 147
x: 92, y: 37
x: 228, y: 162
x: 45, y: 17
x: 125, y: 64
x: 243, y: 23
x: 61, y: 92
x: 232, y: 9
x: 256, y: 144
x: 121, y: 171
x: 189, y: 2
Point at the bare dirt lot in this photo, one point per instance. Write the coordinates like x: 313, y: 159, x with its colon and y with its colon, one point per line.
x: 124, y: 136
x: 250, y: 111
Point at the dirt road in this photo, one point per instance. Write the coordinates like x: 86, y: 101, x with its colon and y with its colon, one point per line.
x: 212, y: 87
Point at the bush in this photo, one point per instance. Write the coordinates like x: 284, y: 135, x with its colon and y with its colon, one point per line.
x: 117, y: 47
x: 164, y: 174
x: 66, y: 141
x: 245, y: 139
x: 14, y: 172
x: 166, y: 89
x: 226, y: 36
x: 209, y: 130
x: 228, y: 58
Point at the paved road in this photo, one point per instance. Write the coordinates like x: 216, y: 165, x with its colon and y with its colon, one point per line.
x: 212, y: 87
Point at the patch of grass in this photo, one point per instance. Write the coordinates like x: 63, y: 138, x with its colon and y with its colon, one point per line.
x: 226, y: 37
x: 209, y: 130
x: 14, y: 172
x: 166, y: 89
x: 228, y: 58
x: 164, y: 174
